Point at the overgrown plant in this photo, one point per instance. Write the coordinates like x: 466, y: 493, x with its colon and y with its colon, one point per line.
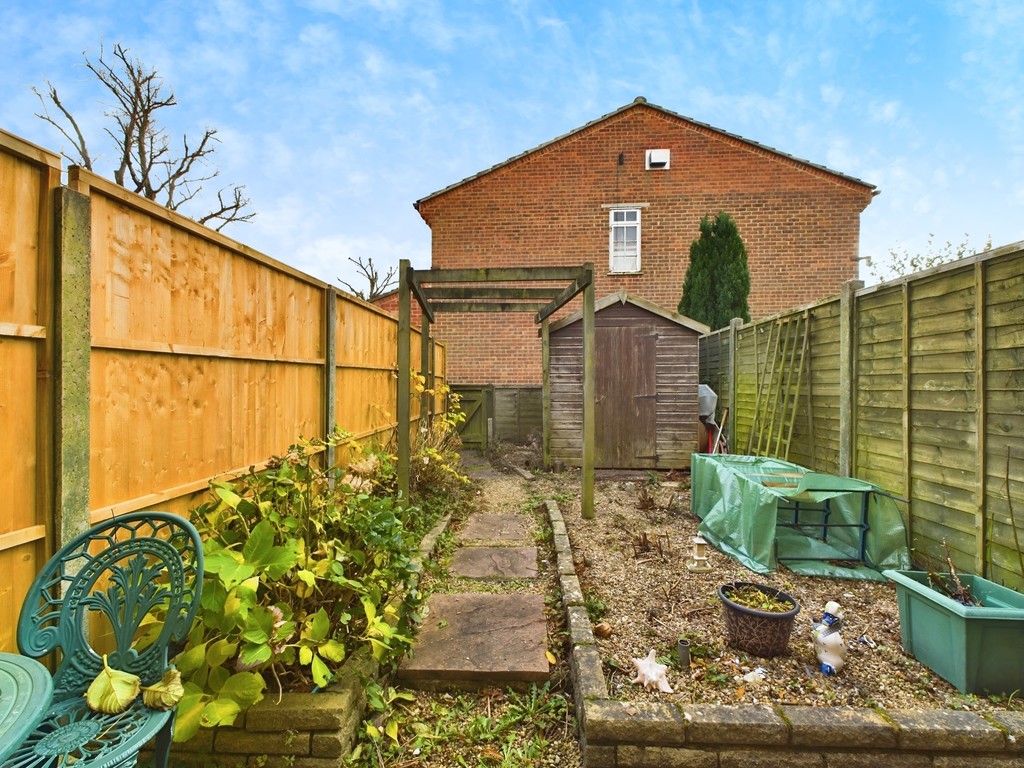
x: 501, y: 728
x: 435, y: 460
x: 303, y: 566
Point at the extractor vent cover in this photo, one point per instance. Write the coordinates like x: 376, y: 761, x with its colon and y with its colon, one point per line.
x: 657, y: 159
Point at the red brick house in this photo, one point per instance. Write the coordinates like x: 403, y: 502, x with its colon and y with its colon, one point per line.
x: 627, y: 192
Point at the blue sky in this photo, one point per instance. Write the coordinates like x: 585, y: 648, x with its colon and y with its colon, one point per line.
x: 338, y: 114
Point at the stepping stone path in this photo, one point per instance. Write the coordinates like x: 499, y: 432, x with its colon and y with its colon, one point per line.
x: 472, y: 640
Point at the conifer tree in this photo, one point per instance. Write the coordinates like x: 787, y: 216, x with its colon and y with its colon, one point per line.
x: 717, y: 281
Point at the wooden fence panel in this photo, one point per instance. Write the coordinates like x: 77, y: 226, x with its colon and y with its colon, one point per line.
x: 713, y: 356
x: 878, y: 381
x: 816, y: 427
x: 28, y: 178
x: 1002, y: 471
x: 207, y: 357
x: 366, y: 340
x: 942, y: 414
x: 750, y: 341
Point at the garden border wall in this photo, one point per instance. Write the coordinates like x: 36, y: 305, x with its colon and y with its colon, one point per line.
x: 619, y: 734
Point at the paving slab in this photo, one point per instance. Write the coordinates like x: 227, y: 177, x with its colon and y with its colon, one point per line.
x: 476, y: 639
x: 496, y: 529
x: 495, y: 562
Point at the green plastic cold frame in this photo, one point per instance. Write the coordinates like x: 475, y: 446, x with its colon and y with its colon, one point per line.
x: 108, y: 581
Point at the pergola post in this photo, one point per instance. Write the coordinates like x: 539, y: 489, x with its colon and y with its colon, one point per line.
x: 545, y: 363
x: 425, y: 369
x: 588, y: 399
x: 402, y: 406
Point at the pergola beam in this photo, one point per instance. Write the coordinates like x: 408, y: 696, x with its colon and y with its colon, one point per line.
x: 499, y: 275
x: 488, y: 306
x: 564, y: 297
x: 480, y: 292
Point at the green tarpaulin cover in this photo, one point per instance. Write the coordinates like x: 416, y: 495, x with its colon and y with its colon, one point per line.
x: 761, y: 510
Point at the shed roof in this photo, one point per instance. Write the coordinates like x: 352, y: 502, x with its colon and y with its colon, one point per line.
x: 623, y: 297
x: 640, y: 101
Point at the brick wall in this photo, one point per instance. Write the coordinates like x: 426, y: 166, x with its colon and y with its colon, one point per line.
x: 800, y: 225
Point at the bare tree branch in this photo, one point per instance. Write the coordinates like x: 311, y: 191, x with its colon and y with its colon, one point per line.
x: 230, y: 210
x: 82, y: 157
x: 145, y: 163
x: 377, y: 286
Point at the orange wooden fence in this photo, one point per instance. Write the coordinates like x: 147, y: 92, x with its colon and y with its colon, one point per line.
x: 143, y: 355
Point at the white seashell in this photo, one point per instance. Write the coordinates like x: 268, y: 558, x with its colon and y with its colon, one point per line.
x: 650, y: 674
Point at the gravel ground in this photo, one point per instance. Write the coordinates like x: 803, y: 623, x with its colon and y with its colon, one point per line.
x: 631, y: 561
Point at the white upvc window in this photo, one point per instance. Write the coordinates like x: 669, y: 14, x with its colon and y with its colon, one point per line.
x: 624, y: 240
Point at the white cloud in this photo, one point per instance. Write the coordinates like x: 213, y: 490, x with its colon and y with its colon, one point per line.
x: 831, y: 94
x: 885, y: 112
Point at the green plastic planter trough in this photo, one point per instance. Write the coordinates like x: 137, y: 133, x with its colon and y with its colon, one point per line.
x: 977, y: 649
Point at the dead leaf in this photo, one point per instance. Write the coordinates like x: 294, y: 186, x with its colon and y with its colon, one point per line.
x: 113, y: 691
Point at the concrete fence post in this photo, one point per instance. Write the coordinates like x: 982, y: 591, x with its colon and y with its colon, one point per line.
x: 71, y: 364
x: 847, y: 390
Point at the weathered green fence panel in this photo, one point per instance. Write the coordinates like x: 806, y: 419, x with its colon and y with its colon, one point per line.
x: 937, y: 401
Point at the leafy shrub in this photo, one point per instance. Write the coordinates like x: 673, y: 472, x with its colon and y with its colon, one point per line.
x: 303, y: 565
x: 434, y: 452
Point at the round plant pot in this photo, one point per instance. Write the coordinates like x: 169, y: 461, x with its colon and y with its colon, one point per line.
x: 759, y: 633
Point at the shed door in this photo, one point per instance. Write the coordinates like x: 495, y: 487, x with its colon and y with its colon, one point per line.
x: 626, y: 393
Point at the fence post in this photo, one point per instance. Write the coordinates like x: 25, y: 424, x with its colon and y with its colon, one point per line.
x: 847, y: 390
x: 734, y: 334
x: 72, y: 350
x: 981, y: 525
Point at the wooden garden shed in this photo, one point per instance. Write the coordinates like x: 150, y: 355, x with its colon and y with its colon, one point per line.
x: 646, y: 377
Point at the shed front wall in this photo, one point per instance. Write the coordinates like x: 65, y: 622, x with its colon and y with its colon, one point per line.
x: 625, y: 415
x: 800, y: 225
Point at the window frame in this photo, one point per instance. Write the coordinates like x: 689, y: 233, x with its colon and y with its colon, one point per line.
x: 614, y: 226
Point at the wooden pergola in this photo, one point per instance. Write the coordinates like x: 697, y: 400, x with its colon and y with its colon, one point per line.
x: 487, y: 290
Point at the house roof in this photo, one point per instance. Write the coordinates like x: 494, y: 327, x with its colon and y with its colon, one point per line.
x: 640, y: 101
x: 622, y: 297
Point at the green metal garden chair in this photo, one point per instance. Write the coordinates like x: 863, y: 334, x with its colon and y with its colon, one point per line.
x: 107, y: 581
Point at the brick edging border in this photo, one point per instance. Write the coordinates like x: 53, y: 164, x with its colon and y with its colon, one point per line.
x: 616, y: 734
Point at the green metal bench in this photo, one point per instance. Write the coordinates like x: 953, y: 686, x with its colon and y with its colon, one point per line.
x: 112, y: 576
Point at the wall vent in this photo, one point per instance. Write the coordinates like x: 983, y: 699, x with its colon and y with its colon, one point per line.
x: 657, y: 159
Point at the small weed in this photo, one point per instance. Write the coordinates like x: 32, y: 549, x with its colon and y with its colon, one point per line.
x: 563, y: 497
x: 595, y: 606
x: 716, y: 676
